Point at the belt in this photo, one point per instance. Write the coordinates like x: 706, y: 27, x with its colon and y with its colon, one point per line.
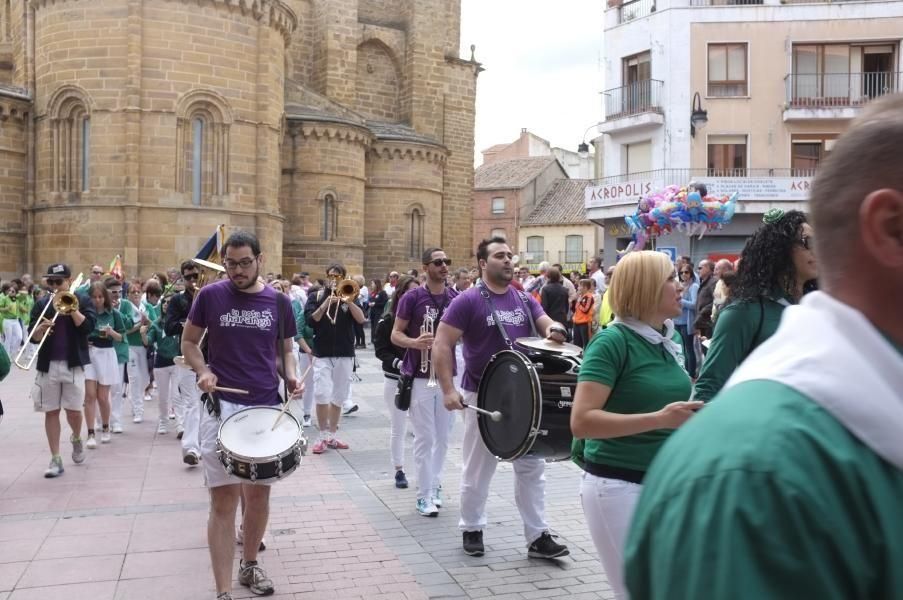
x: 610, y: 472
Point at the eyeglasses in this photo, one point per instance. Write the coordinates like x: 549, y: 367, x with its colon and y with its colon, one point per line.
x: 97, y: 272
x: 190, y: 276
x: 54, y: 281
x: 116, y: 292
x: 438, y: 262
x: 686, y: 272
x: 806, y: 242
x: 243, y: 263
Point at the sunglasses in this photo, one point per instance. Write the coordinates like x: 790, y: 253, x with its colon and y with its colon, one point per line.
x: 806, y: 242
x: 441, y: 261
x: 54, y: 281
x: 190, y: 276
x: 97, y: 272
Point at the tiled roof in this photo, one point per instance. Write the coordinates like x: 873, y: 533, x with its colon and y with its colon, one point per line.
x: 562, y: 205
x: 398, y: 131
x: 510, y: 174
x: 14, y: 91
x: 497, y: 147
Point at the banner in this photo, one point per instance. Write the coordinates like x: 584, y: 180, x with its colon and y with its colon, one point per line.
x: 211, y: 249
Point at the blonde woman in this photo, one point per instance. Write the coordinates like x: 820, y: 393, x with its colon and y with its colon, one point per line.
x: 631, y: 393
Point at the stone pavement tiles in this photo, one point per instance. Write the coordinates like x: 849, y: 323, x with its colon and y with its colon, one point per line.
x: 130, y: 524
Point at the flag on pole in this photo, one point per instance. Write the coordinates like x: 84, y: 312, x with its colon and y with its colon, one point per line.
x: 116, y: 267
x: 210, y: 251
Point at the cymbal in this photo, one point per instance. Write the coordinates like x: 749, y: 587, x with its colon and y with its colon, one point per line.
x: 547, y: 345
x: 209, y: 265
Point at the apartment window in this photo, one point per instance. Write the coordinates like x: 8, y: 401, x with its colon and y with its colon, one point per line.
x: 842, y: 74
x: 535, y: 248
x: 498, y: 206
x: 727, y: 155
x: 415, y: 245
x: 637, y: 158
x: 573, y: 248
x: 330, y: 218
x: 498, y: 233
x: 728, y: 70
x: 637, y: 67
x: 807, y: 151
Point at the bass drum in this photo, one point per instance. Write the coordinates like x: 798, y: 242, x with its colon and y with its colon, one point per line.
x: 534, y: 393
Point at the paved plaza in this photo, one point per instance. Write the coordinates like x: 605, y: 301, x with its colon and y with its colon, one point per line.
x: 130, y: 523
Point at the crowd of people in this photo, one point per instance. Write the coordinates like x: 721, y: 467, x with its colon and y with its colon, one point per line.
x: 737, y: 429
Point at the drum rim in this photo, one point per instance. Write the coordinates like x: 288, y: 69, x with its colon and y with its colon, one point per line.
x: 259, y: 459
x: 527, y: 444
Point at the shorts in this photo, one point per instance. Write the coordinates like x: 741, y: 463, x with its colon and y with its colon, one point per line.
x: 332, y: 379
x: 215, y: 474
x: 60, y: 387
x: 104, y: 368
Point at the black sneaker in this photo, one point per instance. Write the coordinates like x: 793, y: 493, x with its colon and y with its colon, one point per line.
x: 546, y: 547
x: 401, y: 482
x: 473, y: 543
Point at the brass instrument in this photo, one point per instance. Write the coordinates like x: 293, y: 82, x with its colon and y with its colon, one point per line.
x: 64, y: 303
x: 347, y: 290
x: 426, y: 363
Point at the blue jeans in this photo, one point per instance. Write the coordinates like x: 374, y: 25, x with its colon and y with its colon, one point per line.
x: 689, y: 352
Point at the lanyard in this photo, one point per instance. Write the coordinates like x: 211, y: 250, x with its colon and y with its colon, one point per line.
x: 495, y: 316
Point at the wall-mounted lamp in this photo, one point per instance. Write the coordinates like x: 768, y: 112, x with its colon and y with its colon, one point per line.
x: 583, y: 147
x: 699, y: 117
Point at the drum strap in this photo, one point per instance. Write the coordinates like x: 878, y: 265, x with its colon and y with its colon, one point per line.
x: 495, y: 316
x: 280, y: 336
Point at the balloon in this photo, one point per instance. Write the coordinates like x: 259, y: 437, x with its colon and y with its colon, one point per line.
x: 675, y: 208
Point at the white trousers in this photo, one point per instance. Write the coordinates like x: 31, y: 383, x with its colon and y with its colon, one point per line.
x: 399, y: 420
x: 12, y: 337
x: 167, y: 389
x: 307, y: 398
x: 430, y: 422
x: 608, y: 506
x: 116, y: 391
x: 479, y: 467
x: 188, y: 398
x: 138, y: 378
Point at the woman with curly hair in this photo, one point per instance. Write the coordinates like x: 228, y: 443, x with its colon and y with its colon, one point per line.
x: 775, y: 266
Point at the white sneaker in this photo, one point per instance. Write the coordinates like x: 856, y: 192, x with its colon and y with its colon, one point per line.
x: 147, y: 397
x: 91, y: 444
x: 161, y: 428
x: 426, y: 508
x: 305, y: 422
x: 116, y: 427
x: 105, y: 437
x: 138, y: 419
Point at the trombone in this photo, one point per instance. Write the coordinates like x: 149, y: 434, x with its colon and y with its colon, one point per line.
x: 63, y: 302
x: 347, y: 290
x: 426, y: 362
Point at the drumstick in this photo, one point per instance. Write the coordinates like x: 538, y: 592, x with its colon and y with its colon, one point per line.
x: 228, y: 390
x: 285, y: 405
x: 494, y: 415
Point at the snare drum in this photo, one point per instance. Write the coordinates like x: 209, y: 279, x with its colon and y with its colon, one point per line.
x: 249, y: 449
x: 534, y: 393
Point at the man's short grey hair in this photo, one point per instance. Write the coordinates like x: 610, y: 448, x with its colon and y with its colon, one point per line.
x: 544, y: 266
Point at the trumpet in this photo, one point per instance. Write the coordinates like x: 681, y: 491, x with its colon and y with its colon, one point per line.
x: 64, y: 303
x: 347, y: 290
x: 426, y: 363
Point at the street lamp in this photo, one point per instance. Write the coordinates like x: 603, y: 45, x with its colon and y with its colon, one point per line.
x: 699, y: 117
x: 583, y: 147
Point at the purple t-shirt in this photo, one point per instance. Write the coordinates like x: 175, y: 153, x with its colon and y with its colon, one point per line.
x: 241, y: 339
x: 412, y: 308
x: 482, y: 339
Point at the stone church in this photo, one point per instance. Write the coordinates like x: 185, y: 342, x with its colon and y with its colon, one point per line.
x: 334, y: 129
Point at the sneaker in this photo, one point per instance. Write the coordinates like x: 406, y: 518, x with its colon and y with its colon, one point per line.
x: 319, y: 447
x: 473, y: 543
x: 351, y: 409
x: 191, y: 458
x: 305, y: 422
x: 91, y: 444
x: 426, y: 508
x: 337, y: 444
x: 436, y: 497
x: 55, y: 469
x: 180, y: 431
x: 252, y: 576
x: 401, y: 482
x: 105, y: 437
x: 172, y: 415
x: 224, y: 596
x: 116, y: 428
x: 147, y: 397
x: 161, y: 428
x: 545, y: 546
x: 78, y: 450
x: 138, y: 419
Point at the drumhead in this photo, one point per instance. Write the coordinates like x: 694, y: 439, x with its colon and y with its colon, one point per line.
x: 510, y: 385
x: 247, y: 432
x: 546, y: 345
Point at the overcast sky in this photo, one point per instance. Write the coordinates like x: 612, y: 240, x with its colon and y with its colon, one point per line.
x: 543, y: 72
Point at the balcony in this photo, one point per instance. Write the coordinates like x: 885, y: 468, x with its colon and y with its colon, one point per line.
x: 635, y: 9
x: 834, y: 95
x: 637, y: 105
x: 726, y: 2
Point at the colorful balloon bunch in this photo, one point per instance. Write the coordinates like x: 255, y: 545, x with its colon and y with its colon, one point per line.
x: 681, y: 209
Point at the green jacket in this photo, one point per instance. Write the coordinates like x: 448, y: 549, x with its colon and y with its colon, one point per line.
x: 9, y: 308
x: 304, y: 330
x: 167, y: 346
x: 132, y: 317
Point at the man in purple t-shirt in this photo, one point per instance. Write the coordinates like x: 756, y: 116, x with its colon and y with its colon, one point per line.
x: 416, y: 320
x: 470, y: 319
x: 242, y: 317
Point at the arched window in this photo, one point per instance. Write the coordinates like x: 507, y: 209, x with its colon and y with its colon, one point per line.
x: 202, y: 146
x: 330, y: 218
x: 415, y: 247
x: 70, y: 128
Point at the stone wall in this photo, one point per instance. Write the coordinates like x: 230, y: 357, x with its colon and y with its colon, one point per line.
x: 14, y: 120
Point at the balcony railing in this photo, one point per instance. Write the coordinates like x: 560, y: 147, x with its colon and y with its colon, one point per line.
x: 725, y: 2
x: 633, y: 99
x: 838, y: 90
x: 683, y: 176
x: 635, y: 9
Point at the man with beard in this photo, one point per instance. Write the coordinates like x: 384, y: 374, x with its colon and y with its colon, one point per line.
x: 416, y: 320
x: 472, y: 316
x: 242, y: 317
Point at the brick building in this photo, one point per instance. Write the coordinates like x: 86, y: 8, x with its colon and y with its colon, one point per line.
x: 334, y: 129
